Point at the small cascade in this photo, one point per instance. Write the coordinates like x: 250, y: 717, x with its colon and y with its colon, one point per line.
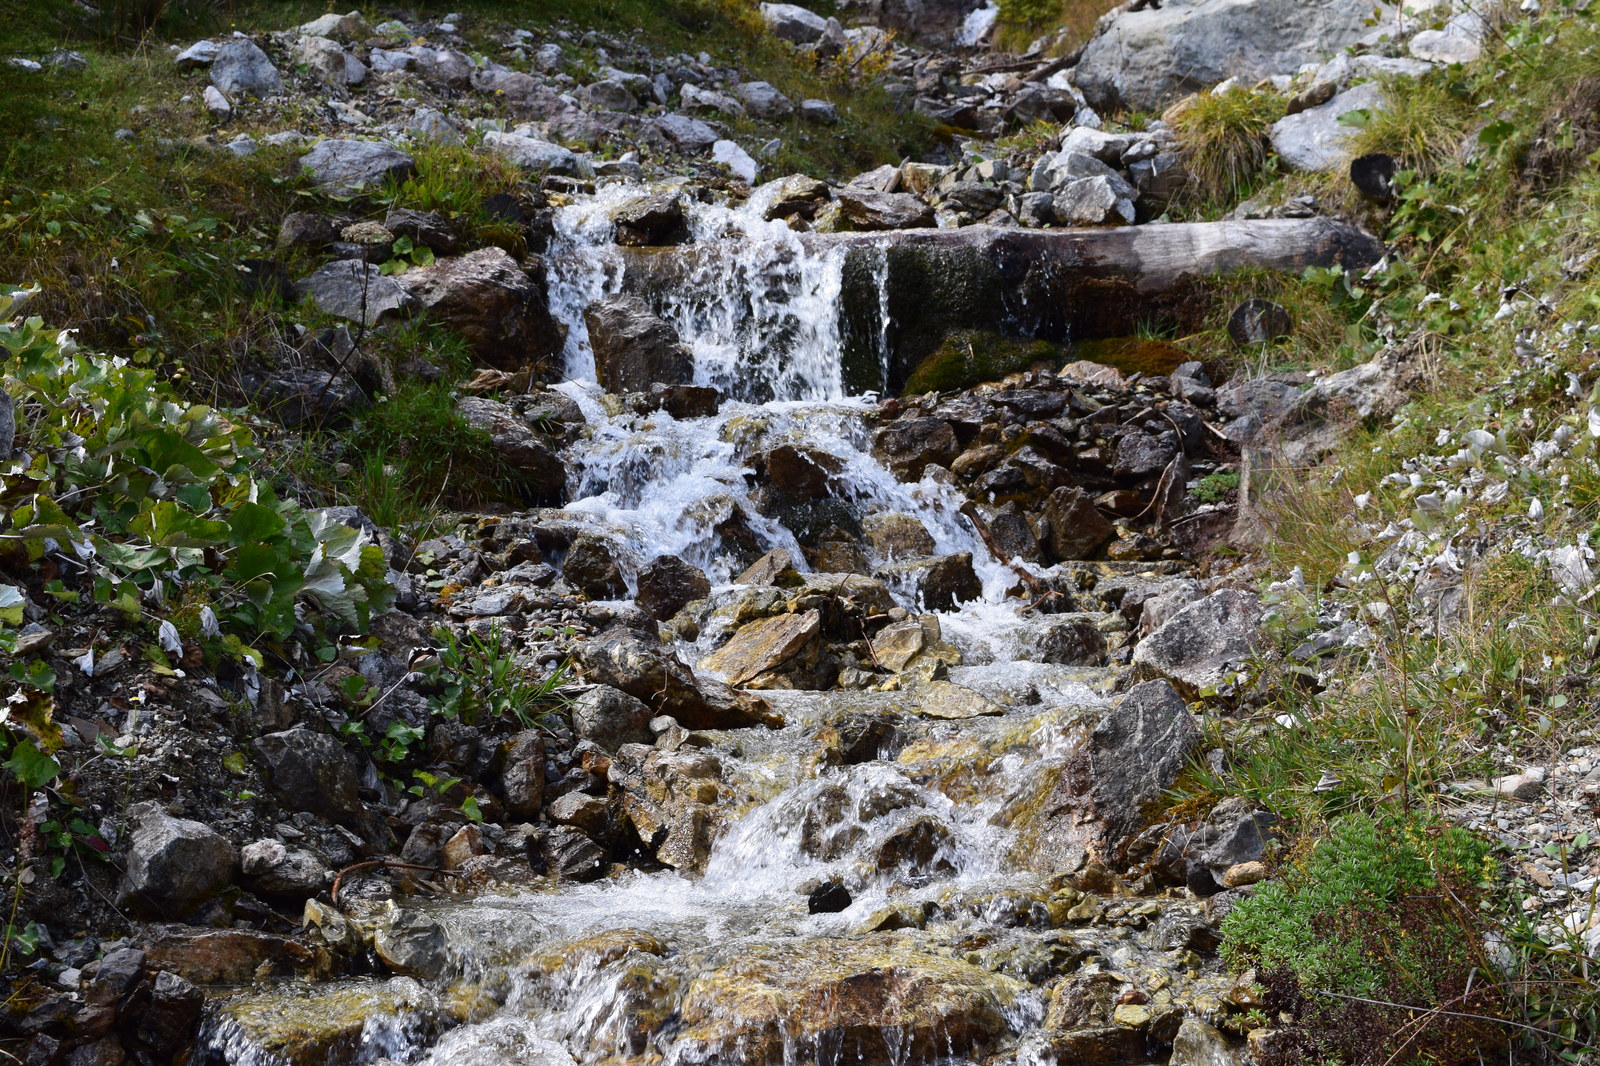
x: 941, y: 924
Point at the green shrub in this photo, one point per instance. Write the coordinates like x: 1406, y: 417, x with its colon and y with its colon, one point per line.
x: 1367, y: 939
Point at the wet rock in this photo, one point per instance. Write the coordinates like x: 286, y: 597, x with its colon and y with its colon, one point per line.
x: 897, y: 644
x: 271, y: 868
x: 1199, y: 1044
x: 869, y: 210
x: 522, y: 774
x: 313, y: 772
x: 1068, y: 641
x: 356, y: 291
x: 227, y: 956
x: 167, y: 1016
x: 907, y: 445
x: 655, y: 675
x: 917, y: 851
x: 667, y: 584
x: 941, y: 699
x: 634, y: 349
x: 830, y: 897
x: 522, y: 450
x: 1197, y: 646
x: 340, y: 1026
x: 531, y: 153
x: 611, y: 718
x: 777, y: 567
x: 344, y: 168
x: 760, y: 654
x: 800, y: 471
x: 881, y: 1001
x: 495, y: 306
x: 592, y: 569
x: 412, y: 945
x: 572, y: 856
x: 684, y: 401
x: 1077, y: 529
x: 239, y: 66
x: 174, y: 864
x: 653, y: 220
x: 940, y: 583
x: 893, y: 535
x: 793, y: 23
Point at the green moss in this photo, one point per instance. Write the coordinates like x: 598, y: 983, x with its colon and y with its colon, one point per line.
x: 971, y: 356
x: 1133, y: 355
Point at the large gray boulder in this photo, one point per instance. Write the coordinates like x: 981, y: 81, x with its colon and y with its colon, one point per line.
x: 762, y: 100
x: 1136, y: 754
x: 793, y: 23
x: 1144, y: 60
x: 344, y: 168
x: 174, y: 864
x: 633, y: 349
x: 355, y: 290
x: 1315, y: 139
x: 688, y: 134
x: 240, y: 67
x: 501, y: 310
x: 1199, y: 644
x: 531, y: 153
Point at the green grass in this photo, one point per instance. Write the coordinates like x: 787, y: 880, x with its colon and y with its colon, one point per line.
x: 1224, y: 141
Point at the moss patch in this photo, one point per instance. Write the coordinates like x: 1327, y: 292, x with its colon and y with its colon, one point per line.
x: 1134, y: 355
x: 971, y: 356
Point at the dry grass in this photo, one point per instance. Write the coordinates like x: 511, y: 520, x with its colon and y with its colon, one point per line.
x: 1224, y: 139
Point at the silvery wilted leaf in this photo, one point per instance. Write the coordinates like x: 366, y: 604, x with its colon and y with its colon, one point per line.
x: 85, y: 662
x: 167, y: 636
x: 208, y: 623
x: 1535, y: 509
x: 1328, y: 782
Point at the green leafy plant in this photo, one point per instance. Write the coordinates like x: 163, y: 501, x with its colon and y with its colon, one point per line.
x: 482, y: 683
x: 1214, y: 487
x: 1371, y: 939
x: 407, y: 254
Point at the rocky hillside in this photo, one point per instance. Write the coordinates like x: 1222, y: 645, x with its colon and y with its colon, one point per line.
x: 1081, y: 553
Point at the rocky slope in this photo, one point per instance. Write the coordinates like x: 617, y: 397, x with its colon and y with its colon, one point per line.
x: 862, y: 563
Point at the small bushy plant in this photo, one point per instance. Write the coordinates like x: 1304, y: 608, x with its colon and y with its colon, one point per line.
x: 1371, y: 939
x: 1224, y: 139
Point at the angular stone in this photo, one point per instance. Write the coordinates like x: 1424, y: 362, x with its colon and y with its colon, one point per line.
x: 1077, y: 528
x: 174, y: 864
x: 355, y: 291
x: 273, y: 869
x: 942, y: 699
x: 240, y: 67
x: 531, y: 153
x: 907, y: 445
x: 1196, y: 647
x: 497, y: 307
x: 763, y: 101
x: 655, y: 675
x: 869, y: 210
x: 522, y: 774
x: 1315, y: 139
x: 313, y: 772
x: 228, y: 956
x: 793, y: 23
x: 345, y: 168
x: 941, y: 582
x: 688, y: 134
x: 893, y: 535
x: 523, y: 450
x: 667, y: 584
x: 611, y: 718
x: 653, y: 220
x: 634, y: 349
x: 763, y: 646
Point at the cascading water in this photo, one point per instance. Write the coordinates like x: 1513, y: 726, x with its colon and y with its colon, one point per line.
x: 943, y: 929
x: 759, y: 308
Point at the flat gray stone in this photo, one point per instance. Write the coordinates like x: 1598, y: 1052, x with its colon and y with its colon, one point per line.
x: 355, y: 290
x: 531, y: 153
x: 344, y: 168
x: 241, y: 67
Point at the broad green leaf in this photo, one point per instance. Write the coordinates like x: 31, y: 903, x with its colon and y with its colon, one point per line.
x: 254, y: 523
x: 31, y: 766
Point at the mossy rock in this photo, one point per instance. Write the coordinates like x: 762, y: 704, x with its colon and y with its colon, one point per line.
x: 972, y: 356
x: 1134, y: 355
